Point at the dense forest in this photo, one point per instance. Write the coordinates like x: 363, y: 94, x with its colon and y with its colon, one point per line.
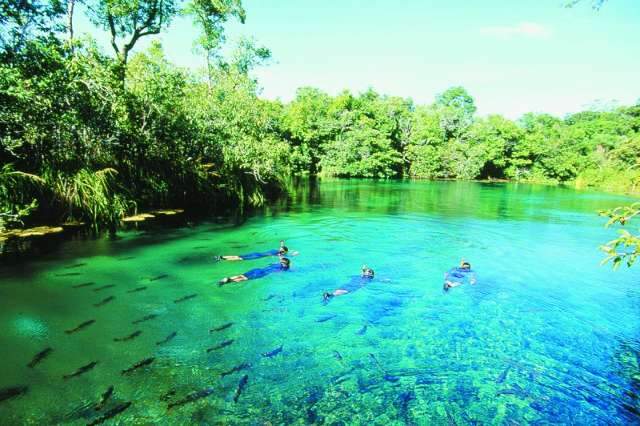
x: 92, y: 135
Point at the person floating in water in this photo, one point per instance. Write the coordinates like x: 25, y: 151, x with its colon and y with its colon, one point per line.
x: 459, y: 275
x: 282, y: 251
x: 356, y: 283
x: 282, y: 265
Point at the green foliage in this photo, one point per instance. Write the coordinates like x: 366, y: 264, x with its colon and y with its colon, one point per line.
x: 94, y: 137
x: 625, y: 248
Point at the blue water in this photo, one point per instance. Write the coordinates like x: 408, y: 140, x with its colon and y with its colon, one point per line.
x: 546, y: 336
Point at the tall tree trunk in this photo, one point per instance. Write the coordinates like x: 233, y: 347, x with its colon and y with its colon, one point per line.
x: 70, y: 7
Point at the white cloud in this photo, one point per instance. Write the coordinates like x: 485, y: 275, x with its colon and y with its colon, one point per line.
x: 523, y: 29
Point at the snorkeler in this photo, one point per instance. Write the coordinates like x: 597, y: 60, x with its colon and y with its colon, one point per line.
x: 282, y: 265
x: 459, y: 275
x: 282, y: 251
x: 356, y: 283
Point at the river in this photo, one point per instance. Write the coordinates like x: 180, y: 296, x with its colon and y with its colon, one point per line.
x: 546, y: 334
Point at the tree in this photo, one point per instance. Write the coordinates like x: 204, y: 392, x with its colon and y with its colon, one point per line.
x: 129, y: 21
x: 210, y: 16
x: 625, y: 248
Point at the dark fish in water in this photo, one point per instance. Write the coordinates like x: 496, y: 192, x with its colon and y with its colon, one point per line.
x: 129, y: 337
x: 77, y: 265
x: 159, y: 277
x: 80, y: 326
x: 168, y: 395
x: 89, y: 284
x: 273, y: 353
x: 126, y: 258
x: 12, y: 392
x: 69, y: 274
x: 221, y: 345
x: 235, y: 369
x: 390, y: 378
x: 337, y: 355
x: 40, y: 356
x: 266, y: 299
x: 326, y: 318
x: 104, y: 301
x: 241, y: 386
x: 362, y: 330
x: 104, y: 287
x: 80, y: 371
x: 199, y: 247
x: 192, y: 397
x: 104, y: 398
x: 503, y: 376
x: 185, y: 298
x: 145, y: 318
x: 167, y: 339
x: 135, y: 290
x: 111, y: 413
x: 139, y: 364
x: 222, y: 327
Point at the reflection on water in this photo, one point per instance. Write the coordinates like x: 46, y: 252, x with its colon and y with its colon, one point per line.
x: 546, y: 336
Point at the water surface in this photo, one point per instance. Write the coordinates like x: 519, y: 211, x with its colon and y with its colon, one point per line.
x: 547, y: 335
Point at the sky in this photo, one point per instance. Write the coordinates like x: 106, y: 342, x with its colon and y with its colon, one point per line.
x: 512, y: 56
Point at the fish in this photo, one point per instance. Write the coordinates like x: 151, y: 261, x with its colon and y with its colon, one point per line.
x: 273, y: 353
x: 221, y: 345
x: 12, y: 392
x: 87, y: 284
x: 159, y: 277
x: 80, y: 326
x: 139, y: 364
x: 503, y: 376
x: 235, y: 369
x: 145, y: 318
x: 199, y: 247
x: 222, y: 327
x: 129, y: 337
x: 362, y: 330
x: 80, y: 371
x: 126, y: 258
x: 337, y: 355
x: 241, y: 385
x: 111, y: 413
x: 185, y: 298
x: 104, y: 287
x: 69, y: 274
x: 104, y: 398
x: 40, y: 356
x: 135, y: 290
x: 326, y: 318
x: 192, y: 397
x: 104, y: 301
x: 266, y: 299
x: 76, y: 265
x: 167, y: 339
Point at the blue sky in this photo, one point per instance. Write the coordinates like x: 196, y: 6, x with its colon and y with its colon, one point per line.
x: 512, y: 56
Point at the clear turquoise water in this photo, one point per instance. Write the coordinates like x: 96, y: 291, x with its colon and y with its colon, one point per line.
x: 547, y: 335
